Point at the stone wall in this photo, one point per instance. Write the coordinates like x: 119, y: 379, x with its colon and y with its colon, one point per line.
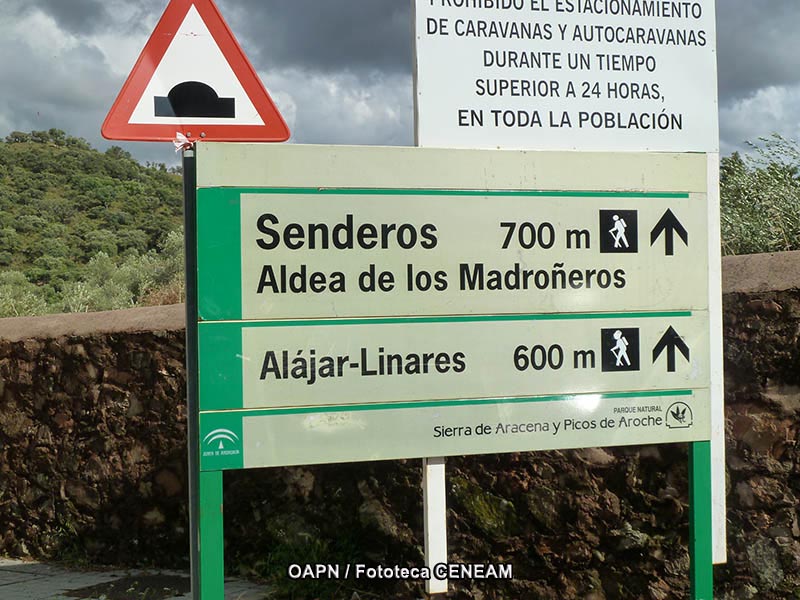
x: 92, y: 468
x: 92, y: 423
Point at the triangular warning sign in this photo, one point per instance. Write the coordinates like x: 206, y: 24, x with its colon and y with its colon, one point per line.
x: 193, y: 78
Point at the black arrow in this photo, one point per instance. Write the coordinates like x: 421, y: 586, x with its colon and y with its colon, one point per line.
x: 669, y: 225
x: 670, y: 340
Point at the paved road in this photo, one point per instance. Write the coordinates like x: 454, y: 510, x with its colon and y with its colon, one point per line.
x: 25, y: 580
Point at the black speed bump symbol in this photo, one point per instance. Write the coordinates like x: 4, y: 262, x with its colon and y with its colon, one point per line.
x: 194, y: 99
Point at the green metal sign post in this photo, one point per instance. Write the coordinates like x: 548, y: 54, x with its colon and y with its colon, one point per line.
x: 345, y: 305
x: 702, y: 569
x: 205, y: 488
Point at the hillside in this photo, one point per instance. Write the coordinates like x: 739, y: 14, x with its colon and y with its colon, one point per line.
x: 82, y: 229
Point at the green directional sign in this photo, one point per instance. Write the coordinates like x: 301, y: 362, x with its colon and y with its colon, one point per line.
x: 278, y: 253
x: 378, y: 303
x: 276, y: 364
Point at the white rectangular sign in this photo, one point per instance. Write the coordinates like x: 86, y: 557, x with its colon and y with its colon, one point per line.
x: 605, y: 75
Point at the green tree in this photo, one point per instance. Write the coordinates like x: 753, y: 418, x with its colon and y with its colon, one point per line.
x: 760, y: 198
x: 19, y: 297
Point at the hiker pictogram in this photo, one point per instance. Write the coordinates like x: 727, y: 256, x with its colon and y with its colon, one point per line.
x: 619, y: 231
x: 620, y: 349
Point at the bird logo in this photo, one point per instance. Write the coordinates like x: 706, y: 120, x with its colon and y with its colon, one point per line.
x: 679, y: 416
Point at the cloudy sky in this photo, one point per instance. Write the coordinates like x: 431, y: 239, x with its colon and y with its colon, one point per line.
x: 339, y: 70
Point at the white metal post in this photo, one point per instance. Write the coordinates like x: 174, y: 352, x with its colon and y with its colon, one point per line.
x: 718, y: 514
x: 434, y: 503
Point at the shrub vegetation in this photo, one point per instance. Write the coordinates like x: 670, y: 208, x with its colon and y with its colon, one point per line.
x: 83, y: 230
x: 760, y: 198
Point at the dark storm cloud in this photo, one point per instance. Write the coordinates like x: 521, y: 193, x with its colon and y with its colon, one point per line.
x: 40, y: 96
x: 87, y: 17
x: 756, y: 40
x: 75, y: 16
x: 344, y: 109
x: 324, y: 35
x: 758, y: 45
x: 70, y: 88
x: 315, y: 35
